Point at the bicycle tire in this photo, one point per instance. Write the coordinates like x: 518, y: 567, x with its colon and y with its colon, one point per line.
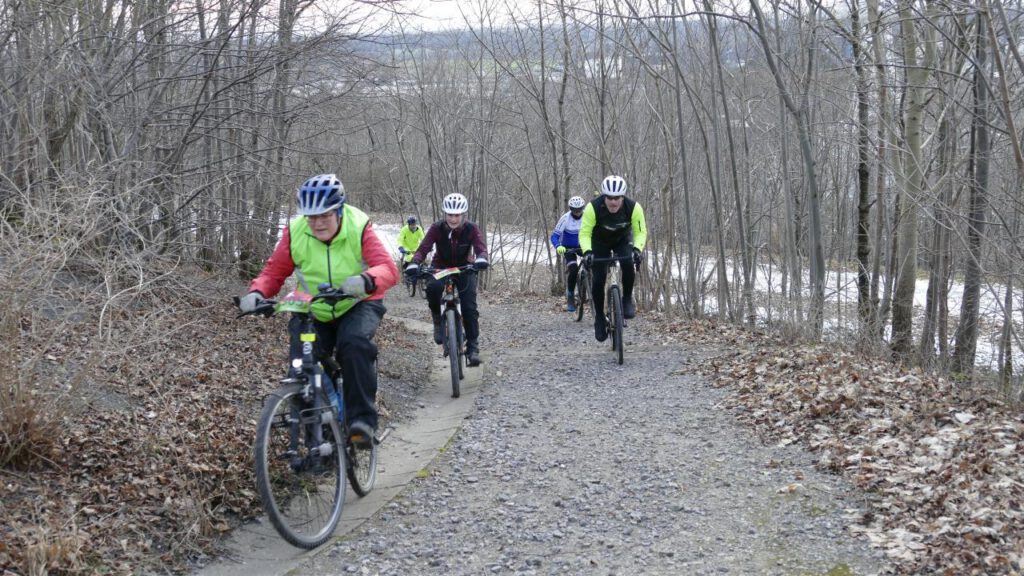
x: 303, y: 493
x: 361, y: 467
x: 412, y: 287
x: 423, y: 288
x: 582, y: 287
x: 615, y: 301
x: 361, y: 464
x: 452, y: 344
x: 460, y: 331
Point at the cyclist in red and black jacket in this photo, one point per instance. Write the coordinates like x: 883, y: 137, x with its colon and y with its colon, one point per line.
x: 453, y: 240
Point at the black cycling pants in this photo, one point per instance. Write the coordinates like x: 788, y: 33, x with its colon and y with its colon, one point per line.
x: 350, y: 339
x: 600, y: 272
x: 465, y: 283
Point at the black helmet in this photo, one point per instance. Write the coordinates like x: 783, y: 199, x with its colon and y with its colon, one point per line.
x: 410, y: 220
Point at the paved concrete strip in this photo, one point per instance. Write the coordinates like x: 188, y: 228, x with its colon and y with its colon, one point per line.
x: 256, y: 549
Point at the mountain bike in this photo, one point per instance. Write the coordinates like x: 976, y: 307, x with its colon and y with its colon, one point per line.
x: 303, y: 452
x: 454, y: 340
x: 616, y: 322
x: 411, y: 283
x: 582, y: 296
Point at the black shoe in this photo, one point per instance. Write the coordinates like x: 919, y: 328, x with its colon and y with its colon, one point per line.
x: 472, y: 354
x: 628, y: 308
x: 438, y: 331
x: 361, y: 434
x: 600, y: 329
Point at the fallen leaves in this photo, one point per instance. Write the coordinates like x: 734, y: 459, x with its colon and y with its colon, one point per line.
x: 942, y: 466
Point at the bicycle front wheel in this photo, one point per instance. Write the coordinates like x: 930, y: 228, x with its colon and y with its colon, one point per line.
x: 615, y: 303
x: 452, y: 342
x: 300, y: 467
x: 412, y: 287
x: 582, y: 286
x: 460, y: 330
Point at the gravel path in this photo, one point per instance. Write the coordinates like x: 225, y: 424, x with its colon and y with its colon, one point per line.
x: 571, y: 464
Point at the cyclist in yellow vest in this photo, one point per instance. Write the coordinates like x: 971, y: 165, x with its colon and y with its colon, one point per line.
x: 612, y: 224
x: 409, y: 238
x: 332, y: 242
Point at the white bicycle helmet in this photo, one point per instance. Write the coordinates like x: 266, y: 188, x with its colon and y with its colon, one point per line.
x: 321, y: 193
x: 576, y: 203
x: 455, y: 203
x: 613, y: 186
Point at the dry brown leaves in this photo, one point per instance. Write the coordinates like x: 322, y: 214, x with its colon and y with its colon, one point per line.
x: 155, y: 461
x: 942, y: 467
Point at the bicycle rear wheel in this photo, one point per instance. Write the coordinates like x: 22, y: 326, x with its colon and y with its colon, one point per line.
x: 411, y: 284
x: 582, y: 292
x: 361, y: 463
x: 452, y: 344
x: 301, y: 480
x: 615, y: 306
x: 362, y: 467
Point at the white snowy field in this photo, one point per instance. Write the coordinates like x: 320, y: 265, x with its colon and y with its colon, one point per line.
x: 840, y: 290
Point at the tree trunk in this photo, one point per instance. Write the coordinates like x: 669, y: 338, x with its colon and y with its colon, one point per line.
x: 967, y: 330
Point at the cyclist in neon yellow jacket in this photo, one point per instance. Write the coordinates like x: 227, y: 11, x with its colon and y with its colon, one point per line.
x: 409, y: 238
x: 332, y: 242
x: 612, y: 224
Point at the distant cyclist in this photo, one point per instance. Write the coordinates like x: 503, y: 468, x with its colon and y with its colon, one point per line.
x: 453, y: 240
x: 332, y: 242
x: 566, y: 236
x: 612, y: 224
x: 409, y: 238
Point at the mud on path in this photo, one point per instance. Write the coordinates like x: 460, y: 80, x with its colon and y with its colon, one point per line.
x: 570, y: 463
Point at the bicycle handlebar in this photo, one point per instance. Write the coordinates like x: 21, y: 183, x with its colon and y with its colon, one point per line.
x: 429, y: 270
x: 268, y: 306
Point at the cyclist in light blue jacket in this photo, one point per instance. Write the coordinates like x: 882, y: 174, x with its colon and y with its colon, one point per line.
x: 566, y: 236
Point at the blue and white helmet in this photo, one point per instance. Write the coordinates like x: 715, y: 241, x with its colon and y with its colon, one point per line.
x: 613, y: 186
x: 576, y: 202
x: 321, y: 193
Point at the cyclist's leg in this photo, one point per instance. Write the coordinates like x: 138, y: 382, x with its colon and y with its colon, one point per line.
x: 466, y: 285
x: 355, y: 351
x: 434, y: 289
x: 572, y: 269
x: 598, y: 277
x: 624, y: 249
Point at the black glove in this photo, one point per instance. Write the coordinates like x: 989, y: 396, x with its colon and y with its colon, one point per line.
x: 588, y: 258
x: 637, y: 258
x: 481, y: 264
x: 412, y: 269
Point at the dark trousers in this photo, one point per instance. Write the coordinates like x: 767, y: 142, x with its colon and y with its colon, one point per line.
x: 600, y: 273
x: 572, y: 268
x: 350, y: 339
x: 466, y: 285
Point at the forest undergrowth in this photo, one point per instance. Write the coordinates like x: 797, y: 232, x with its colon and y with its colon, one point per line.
x: 126, y: 443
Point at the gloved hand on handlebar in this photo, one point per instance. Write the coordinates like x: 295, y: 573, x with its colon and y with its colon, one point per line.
x: 359, y: 286
x: 250, y: 301
x: 412, y: 269
x: 638, y: 258
x: 588, y: 258
x: 402, y: 250
x: 481, y: 264
x: 560, y: 250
